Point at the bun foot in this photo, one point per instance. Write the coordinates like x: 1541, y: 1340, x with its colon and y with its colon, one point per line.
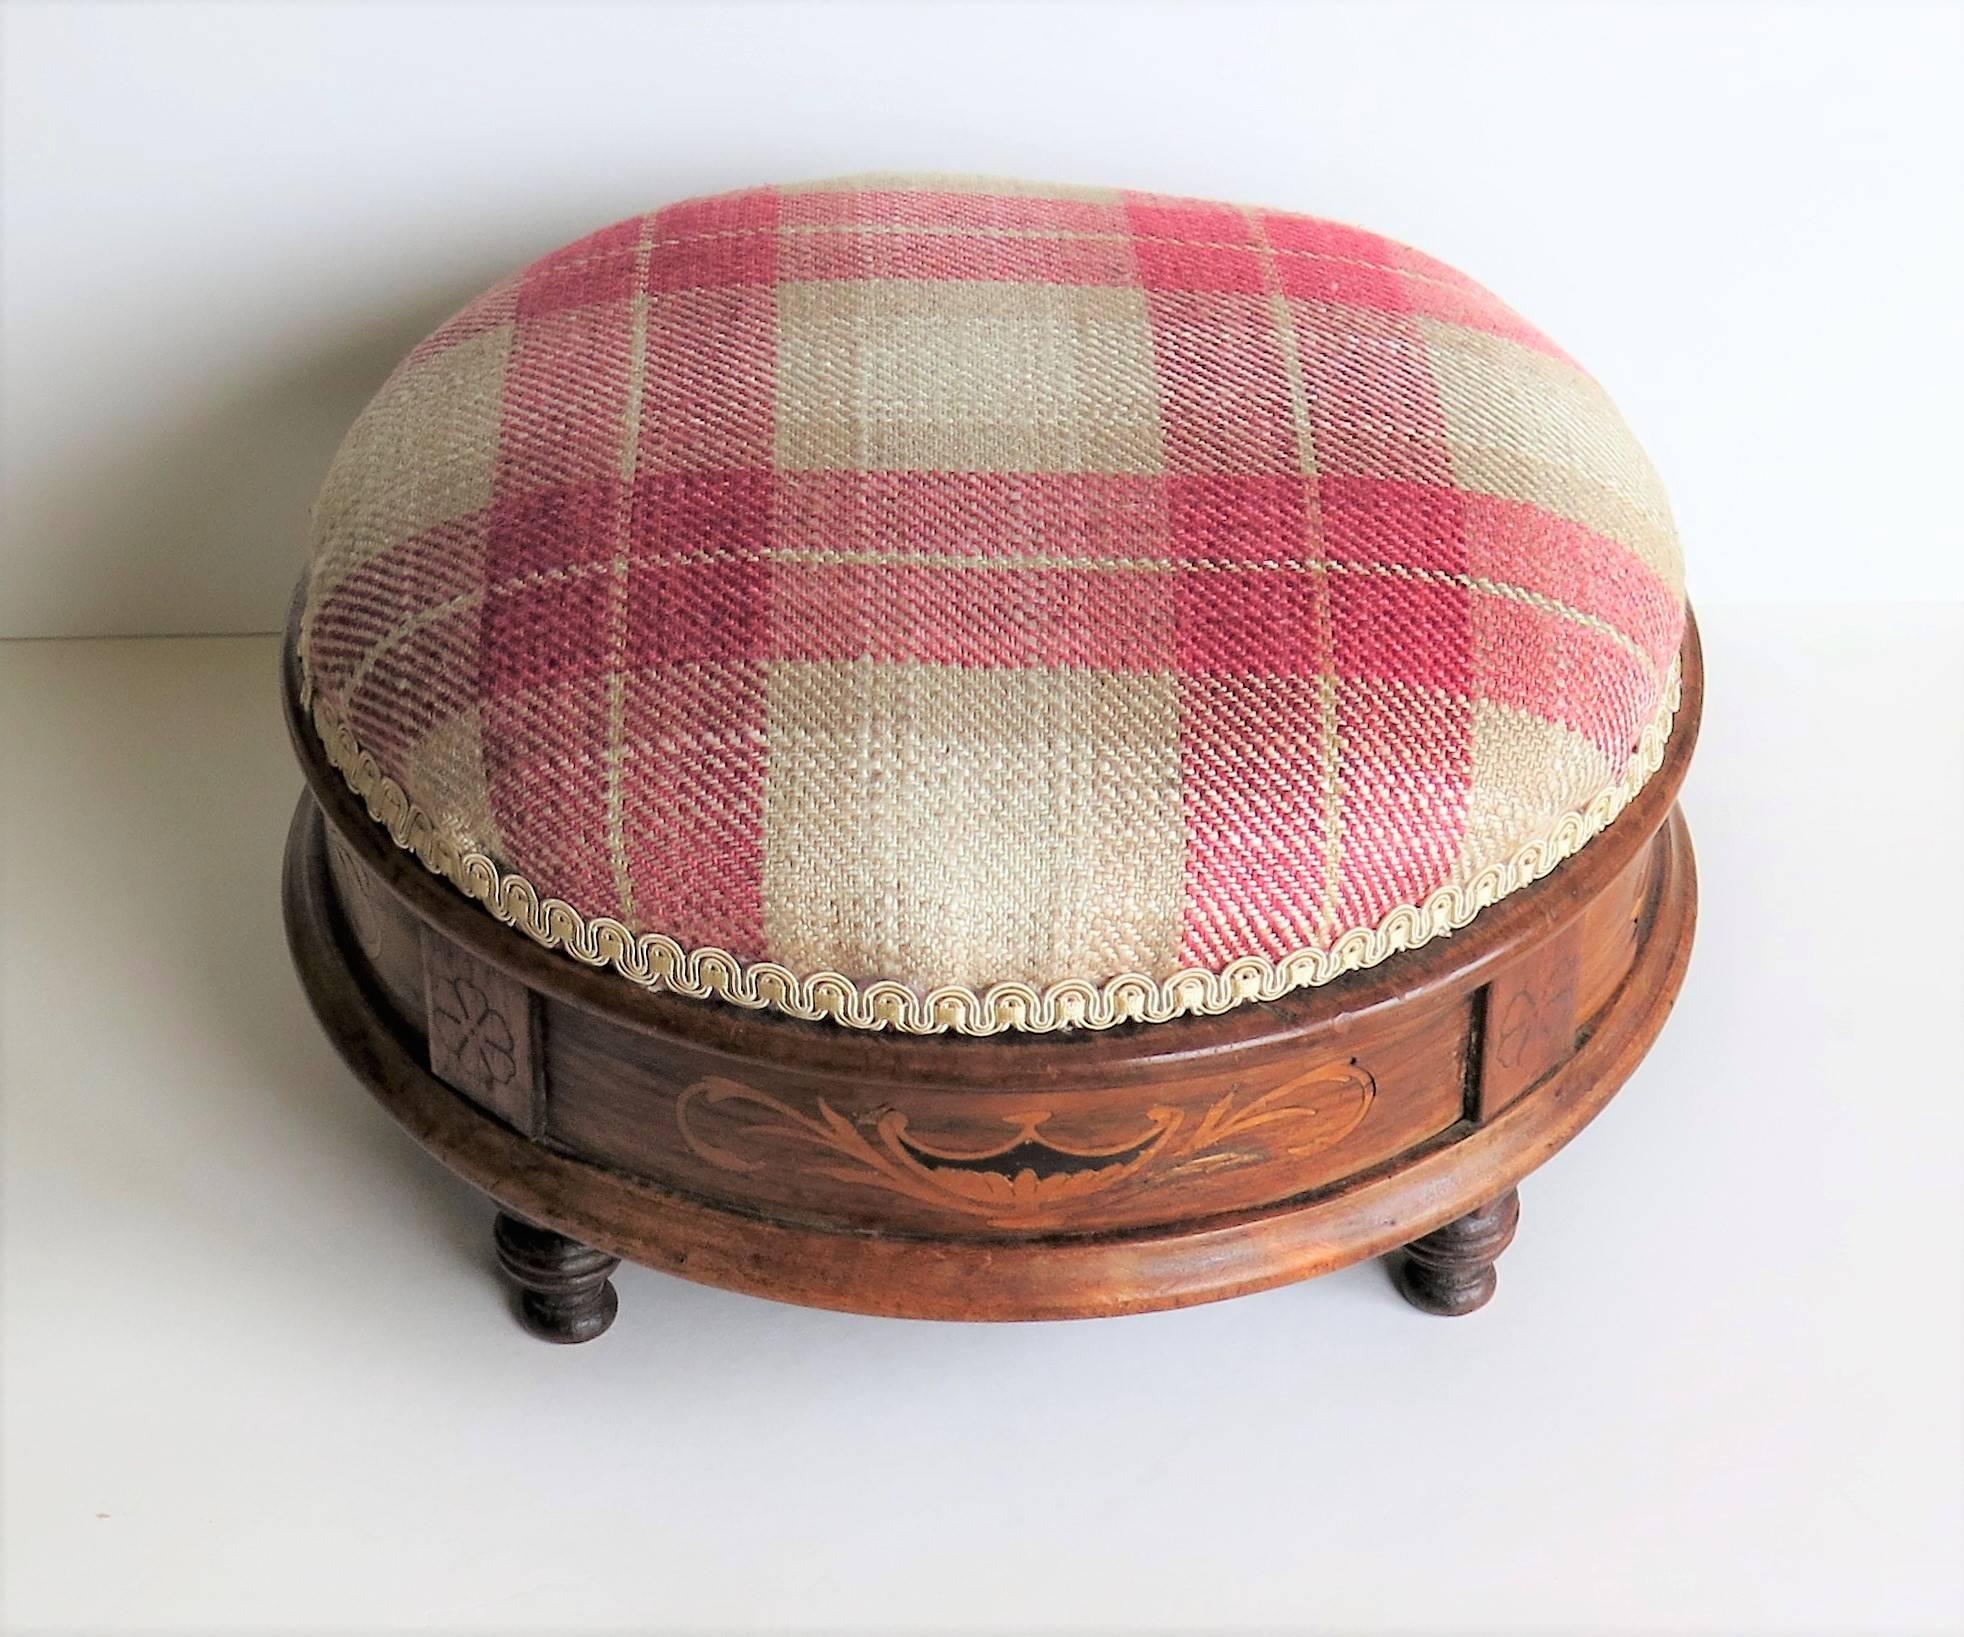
x: 1450, y: 1270
x: 564, y: 1292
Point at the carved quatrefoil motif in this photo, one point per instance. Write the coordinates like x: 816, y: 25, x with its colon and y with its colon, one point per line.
x: 1536, y: 1021
x: 471, y: 1030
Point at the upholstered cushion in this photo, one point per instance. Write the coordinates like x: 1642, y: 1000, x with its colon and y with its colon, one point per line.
x: 951, y: 603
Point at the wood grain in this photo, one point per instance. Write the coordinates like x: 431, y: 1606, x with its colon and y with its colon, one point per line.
x: 1529, y: 1017
x: 955, y: 1276
x: 1450, y: 1271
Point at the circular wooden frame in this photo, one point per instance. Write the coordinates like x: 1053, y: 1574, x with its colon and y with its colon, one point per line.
x: 1007, y: 1177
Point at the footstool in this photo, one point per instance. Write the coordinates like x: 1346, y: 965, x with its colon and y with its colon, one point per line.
x: 965, y: 749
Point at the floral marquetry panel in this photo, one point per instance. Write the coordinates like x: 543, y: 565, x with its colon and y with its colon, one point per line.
x: 1024, y: 1158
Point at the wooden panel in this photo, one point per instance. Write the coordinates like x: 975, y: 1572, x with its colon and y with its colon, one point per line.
x: 1537, y: 1009
x: 1234, y: 1130
x: 1531, y: 1017
x: 1612, y: 927
x: 384, y: 933
x: 358, y: 897
x: 483, y: 1034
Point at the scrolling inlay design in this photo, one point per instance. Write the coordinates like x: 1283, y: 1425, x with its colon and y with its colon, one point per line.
x: 357, y: 905
x: 1030, y: 1173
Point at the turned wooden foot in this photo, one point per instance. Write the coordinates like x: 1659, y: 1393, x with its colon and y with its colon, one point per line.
x: 564, y: 1291
x: 1450, y: 1270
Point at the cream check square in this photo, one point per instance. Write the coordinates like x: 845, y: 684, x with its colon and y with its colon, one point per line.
x: 898, y: 375
x: 444, y: 462
x: 1528, y: 427
x: 1070, y: 858
x: 1526, y: 773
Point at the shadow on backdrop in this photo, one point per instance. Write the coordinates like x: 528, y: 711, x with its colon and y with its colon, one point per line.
x: 197, y: 522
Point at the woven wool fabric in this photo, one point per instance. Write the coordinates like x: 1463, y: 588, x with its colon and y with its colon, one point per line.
x: 945, y: 602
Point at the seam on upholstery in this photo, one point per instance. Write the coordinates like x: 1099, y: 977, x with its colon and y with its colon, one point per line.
x: 1057, y: 234
x: 824, y: 557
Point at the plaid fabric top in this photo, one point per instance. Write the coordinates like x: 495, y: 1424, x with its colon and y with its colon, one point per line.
x: 947, y: 602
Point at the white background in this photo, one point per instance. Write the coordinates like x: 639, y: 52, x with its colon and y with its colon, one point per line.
x: 223, y: 224
x: 255, y: 1374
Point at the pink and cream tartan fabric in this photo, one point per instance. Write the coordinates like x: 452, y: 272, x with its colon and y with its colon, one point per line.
x: 952, y: 603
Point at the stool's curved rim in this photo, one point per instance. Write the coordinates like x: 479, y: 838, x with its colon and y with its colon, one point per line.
x: 1499, y: 933
x: 1060, y: 1276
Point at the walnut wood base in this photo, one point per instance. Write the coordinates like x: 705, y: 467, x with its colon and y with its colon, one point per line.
x: 564, y: 1293
x: 1450, y: 1270
x: 1012, y: 1177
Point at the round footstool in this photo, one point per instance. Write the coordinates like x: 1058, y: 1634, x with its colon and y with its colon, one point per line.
x: 965, y: 749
